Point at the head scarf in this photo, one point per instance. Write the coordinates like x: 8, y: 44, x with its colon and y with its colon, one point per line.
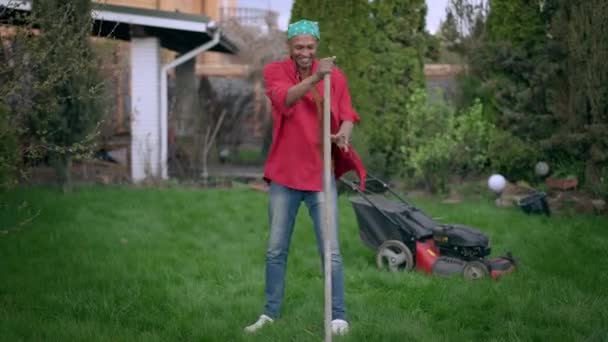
x: 304, y: 27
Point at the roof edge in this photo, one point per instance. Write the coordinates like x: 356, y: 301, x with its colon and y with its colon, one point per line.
x: 151, y: 12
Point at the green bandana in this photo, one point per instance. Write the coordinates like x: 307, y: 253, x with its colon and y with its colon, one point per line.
x: 304, y: 27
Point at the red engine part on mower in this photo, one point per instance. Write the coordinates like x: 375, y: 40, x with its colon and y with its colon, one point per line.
x: 427, y: 253
x: 429, y: 260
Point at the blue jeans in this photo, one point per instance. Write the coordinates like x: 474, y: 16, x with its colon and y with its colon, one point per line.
x: 284, y: 204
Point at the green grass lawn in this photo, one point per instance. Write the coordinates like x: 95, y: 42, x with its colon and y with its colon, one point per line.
x: 121, y: 264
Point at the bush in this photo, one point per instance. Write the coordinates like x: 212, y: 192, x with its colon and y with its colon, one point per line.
x: 431, y: 163
x: 440, y: 143
x: 473, y: 133
x: 425, y: 154
x: 511, y: 157
x: 58, y: 82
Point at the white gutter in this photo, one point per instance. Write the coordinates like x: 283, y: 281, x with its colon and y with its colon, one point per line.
x: 147, y: 20
x: 164, y: 96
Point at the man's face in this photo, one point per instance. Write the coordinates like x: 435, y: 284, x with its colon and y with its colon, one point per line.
x: 303, y: 50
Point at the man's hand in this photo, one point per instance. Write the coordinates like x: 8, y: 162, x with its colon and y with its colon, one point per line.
x: 325, y: 66
x: 342, y: 138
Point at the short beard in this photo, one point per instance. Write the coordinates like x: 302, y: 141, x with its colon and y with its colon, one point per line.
x: 303, y: 68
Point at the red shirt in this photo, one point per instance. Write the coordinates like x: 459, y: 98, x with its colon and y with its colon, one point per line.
x: 295, y: 159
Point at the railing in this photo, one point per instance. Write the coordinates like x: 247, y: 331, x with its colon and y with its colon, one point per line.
x: 250, y: 16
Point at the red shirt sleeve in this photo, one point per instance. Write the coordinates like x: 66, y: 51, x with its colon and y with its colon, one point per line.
x: 345, y: 108
x: 277, y: 84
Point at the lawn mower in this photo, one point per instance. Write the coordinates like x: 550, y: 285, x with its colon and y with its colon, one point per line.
x: 406, y: 238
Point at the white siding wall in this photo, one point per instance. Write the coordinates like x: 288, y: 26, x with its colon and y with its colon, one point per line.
x: 145, y: 108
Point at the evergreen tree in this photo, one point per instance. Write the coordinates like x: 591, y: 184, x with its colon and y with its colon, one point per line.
x: 448, y: 30
x: 518, y: 21
x: 544, y: 64
x: 463, y: 25
x: 516, y: 67
x: 345, y: 33
x: 380, y: 45
x: 580, y: 102
x: 398, y: 47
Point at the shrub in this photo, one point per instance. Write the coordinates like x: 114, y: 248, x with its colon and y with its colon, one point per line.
x: 472, y: 133
x: 425, y: 154
x: 431, y: 163
x: 511, y: 156
x: 440, y: 143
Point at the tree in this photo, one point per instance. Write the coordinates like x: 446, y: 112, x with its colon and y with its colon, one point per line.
x: 345, y: 33
x: 53, y: 90
x: 396, y: 70
x: 515, y: 66
x: 464, y: 25
x: 69, y: 111
x: 448, y: 29
x: 433, y: 48
x: 580, y: 105
x: 380, y: 45
x: 544, y: 65
x: 518, y: 21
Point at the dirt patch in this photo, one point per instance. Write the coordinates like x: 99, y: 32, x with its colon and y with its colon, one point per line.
x: 513, y: 193
x: 576, y: 201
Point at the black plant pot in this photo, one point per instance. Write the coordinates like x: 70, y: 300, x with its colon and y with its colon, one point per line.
x: 535, y: 203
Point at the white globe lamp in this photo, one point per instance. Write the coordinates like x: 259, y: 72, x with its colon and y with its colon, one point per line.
x: 541, y: 169
x: 497, y: 183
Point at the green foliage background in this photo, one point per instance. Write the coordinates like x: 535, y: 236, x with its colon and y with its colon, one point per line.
x: 380, y: 45
x: 538, y: 68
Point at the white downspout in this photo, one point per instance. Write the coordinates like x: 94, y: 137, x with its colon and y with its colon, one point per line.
x: 164, y: 96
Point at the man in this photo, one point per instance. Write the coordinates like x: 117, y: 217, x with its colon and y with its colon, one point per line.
x: 294, y: 167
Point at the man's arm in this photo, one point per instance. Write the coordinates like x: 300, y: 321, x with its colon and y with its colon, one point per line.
x: 277, y: 84
x: 348, y: 116
x: 298, y: 91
